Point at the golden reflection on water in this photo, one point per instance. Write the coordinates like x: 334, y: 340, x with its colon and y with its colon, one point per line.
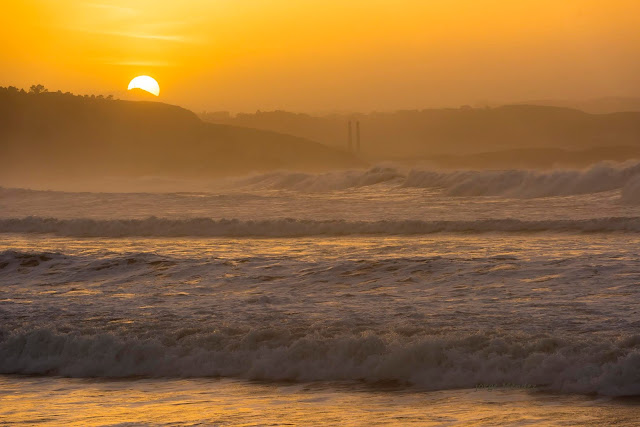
x: 561, y: 246
x: 76, y: 402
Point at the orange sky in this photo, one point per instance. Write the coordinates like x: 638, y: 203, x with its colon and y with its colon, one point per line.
x: 320, y: 55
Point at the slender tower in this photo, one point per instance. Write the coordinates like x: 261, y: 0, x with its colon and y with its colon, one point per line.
x: 350, y: 138
x: 358, y: 136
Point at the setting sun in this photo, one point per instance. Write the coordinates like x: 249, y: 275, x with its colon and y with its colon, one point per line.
x: 145, y: 83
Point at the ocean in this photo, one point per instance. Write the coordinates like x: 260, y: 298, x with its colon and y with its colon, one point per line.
x: 385, y: 296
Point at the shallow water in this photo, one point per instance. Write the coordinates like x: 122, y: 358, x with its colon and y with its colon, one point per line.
x: 61, y: 401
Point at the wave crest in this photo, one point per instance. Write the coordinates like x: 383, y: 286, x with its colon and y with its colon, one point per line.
x: 329, y: 181
x: 604, y: 367
x: 517, y: 183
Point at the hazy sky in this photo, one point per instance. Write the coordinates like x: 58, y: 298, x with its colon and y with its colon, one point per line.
x: 319, y: 55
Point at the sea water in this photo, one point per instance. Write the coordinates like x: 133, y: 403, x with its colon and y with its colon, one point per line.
x: 350, y: 297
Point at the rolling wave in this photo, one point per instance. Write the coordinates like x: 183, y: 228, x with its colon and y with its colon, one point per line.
x: 631, y: 192
x: 608, y: 367
x: 517, y: 183
x: 527, y: 183
x: 329, y: 181
x: 206, y: 227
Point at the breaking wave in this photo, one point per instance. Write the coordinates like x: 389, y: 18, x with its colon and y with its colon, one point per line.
x: 329, y: 181
x: 527, y: 184
x: 206, y: 227
x: 517, y: 183
x: 608, y: 367
x: 631, y: 192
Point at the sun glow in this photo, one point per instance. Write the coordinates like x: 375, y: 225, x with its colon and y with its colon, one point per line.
x: 357, y: 55
x: 145, y: 83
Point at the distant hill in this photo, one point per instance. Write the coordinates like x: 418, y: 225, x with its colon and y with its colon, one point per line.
x: 605, y: 105
x: 533, y: 158
x: 464, y: 131
x: 137, y: 94
x: 55, y: 135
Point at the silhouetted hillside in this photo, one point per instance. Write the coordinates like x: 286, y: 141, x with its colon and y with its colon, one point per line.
x: 137, y: 94
x: 606, y: 105
x: 534, y: 158
x: 56, y: 134
x: 425, y: 133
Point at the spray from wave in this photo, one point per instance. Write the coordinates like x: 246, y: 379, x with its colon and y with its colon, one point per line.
x: 516, y: 183
x: 330, y: 181
x: 604, y: 367
x: 631, y: 192
x: 605, y: 176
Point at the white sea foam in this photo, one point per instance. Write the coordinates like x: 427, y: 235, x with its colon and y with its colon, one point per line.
x: 585, y: 366
x: 517, y: 183
x: 527, y: 184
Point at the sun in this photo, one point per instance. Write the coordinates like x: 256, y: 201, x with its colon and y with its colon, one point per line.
x: 145, y: 83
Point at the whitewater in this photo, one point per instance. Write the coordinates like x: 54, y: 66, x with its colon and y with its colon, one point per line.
x: 326, y: 291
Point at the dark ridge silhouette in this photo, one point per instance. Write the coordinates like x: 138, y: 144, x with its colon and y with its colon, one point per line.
x: 137, y: 94
x: 534, y: 158
x: 455, y: 132
x: 51, y: 134
x: 606, y: 105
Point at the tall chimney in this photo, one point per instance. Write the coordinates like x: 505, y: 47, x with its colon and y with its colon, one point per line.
x: 358, y: 136
x: 350, y: 146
